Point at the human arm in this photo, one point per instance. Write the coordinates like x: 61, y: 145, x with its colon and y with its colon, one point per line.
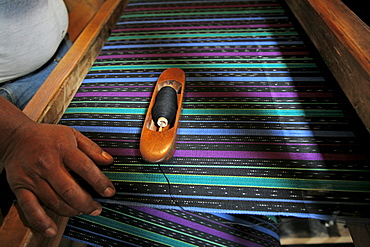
x: 37, y: 158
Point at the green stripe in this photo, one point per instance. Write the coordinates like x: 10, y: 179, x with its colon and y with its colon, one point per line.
x: 190, y: 35
x: 242, y: 181
x: 136, y: 231
x: 243, y: 112
x: 205, y: 66
x: 143, y: 15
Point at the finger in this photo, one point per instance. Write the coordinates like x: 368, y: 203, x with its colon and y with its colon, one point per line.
x: 70, y: 192
x: 35, y: 214
x: 51, y: 200
x: 84, y: 167
x: 92, y: 150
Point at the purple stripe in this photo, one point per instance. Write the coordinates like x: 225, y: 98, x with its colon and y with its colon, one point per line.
x: 118, y: 86
x: 114, y: 94
x: 208, y: 94
x: 244, y: 154
x: 252, y: 143
x: 266, y: 155
x: 223, y: 86
x: 209, y: 54
x: 207, y: 7
x: 257, y: 94
x: 196, y: 226
x: 228, y: 226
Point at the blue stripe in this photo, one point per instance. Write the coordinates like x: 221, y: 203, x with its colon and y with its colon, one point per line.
x: 207, y: 72
x: 234, y: 219
x: 238, y: 132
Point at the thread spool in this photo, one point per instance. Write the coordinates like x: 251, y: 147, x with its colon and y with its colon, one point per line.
x: 164, y: 109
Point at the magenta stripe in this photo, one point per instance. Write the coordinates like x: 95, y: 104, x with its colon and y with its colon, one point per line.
x: 229, y: 226
x: 209, y: 54
x: 197, y: 226
x: 204, y: 7
x: 209, y: 94
x: 201, y: 27
x: 113, y: 94
x: 244, y: 154
x: 266, y: 155
x: 251, y: 143
x: 257, y: 94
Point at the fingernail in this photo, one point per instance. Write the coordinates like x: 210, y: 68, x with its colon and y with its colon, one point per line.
x: 106, y: 155
x: 96, y: 212
x: 50, y: 232
x: 108, y: 192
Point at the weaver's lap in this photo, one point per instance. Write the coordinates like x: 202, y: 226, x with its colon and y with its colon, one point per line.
x: 21, y: 90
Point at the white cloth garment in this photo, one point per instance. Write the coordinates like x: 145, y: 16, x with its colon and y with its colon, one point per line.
x: 30, y: 33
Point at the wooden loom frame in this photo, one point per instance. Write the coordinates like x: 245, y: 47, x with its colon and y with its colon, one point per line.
x: 93, y: 26
x: 340, y: 36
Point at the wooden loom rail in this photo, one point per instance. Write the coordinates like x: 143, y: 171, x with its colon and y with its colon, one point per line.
x: 343, y: 41
x: 341, y: 38
x: 49, y: 104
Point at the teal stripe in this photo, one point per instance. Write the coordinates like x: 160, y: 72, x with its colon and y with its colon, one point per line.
x: 242, y: 12
x: 103, y: 110
x: 190, y: 35
x: 136, y: 231
x: 243, y: 112
x: 205, y: 66
x: 242, y: 181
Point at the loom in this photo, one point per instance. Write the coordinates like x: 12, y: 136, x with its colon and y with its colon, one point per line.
x: 338, y: 35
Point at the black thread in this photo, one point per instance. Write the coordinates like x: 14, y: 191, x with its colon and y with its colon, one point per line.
x: 173, y: 199
x: 165, y: 104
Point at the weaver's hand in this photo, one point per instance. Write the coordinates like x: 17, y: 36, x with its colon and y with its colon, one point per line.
x: 37, y: 159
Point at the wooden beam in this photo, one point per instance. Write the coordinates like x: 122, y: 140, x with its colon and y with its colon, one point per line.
x: 80, y: 12
x: 360, y: 233
x: 49, y: 104
x: 343, y: 41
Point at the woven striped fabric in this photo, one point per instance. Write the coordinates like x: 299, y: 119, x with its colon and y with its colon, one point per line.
x: 265, y: 130
x: 143, y: 226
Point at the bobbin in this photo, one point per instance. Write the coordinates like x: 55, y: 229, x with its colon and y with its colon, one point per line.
x: 158, y: 144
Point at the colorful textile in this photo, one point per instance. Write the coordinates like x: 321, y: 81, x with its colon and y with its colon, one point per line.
x: 120, y: 225
x: 264, y: 129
